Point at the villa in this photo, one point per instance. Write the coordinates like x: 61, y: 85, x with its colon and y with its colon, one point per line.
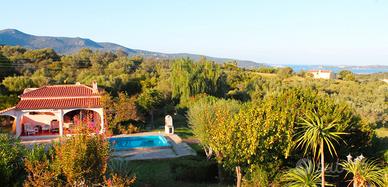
x: 322, y: 74
x: 56, y: 110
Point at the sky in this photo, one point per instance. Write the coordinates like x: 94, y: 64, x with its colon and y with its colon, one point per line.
x: 324, y: 32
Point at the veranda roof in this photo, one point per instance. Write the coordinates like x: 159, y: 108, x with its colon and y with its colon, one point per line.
x: 60, y: 91
x: 62, y: 103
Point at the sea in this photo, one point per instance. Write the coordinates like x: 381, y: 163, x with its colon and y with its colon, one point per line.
x: 336, y: 69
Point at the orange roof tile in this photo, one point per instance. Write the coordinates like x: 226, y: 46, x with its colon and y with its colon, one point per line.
x: 7, y: 109
x: 59, y: 103
x: 60, y: 91
x: 323, y: 71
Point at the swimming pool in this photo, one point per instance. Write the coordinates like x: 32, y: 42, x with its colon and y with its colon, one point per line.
x: 133, y: 142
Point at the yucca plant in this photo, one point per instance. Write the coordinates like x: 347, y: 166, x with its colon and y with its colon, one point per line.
x: 365, y: 172
x: 315, y: 134
x: 306, y: 174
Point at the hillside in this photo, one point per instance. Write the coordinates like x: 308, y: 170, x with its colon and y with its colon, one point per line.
x: 67, y: 45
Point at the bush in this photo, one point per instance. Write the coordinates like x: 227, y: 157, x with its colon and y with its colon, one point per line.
x: 40, y: 167
x: 11, y: 159
x: 80, y: 160
x: 194, y: 169
x: 285, y: 72
x: 128, y: 129
x: 83, y: 159
x: 257, y: 177
x: 346, y: 75
x: 120, y: 173
x: 265, y: 69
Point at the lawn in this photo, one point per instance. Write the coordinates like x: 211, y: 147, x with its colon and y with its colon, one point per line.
x: 191, y: 171
x: 185, y: 171
x: 183, y: 132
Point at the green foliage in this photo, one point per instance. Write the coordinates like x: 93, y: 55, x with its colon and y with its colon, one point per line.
x: 83, y: 159
x: 41, y: 54
x: 346, y: 75
x: 120, y: 173
x: 257, y: 177
x: 8, y: 101
x: 193, y: 170
x: 314, y: 131
x: 190, y: 78
x: 11, y: 159
x: 18, y: 83
x: 40, y: 167
x: 125, y: 109
x: 265, y: 69
x: 208, y: 118
x: 6, y: 67
x: 261, y: 134
x: 306, y: 174
x: 365, y: 172
x: 149, y: 100
x: 285, y: 72
x: 368, y: 100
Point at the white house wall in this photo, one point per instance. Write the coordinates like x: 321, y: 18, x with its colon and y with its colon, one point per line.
x: 38, y: 119
x: 24, y: 116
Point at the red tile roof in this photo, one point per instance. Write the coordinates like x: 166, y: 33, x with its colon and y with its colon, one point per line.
x: 93, y: 102
x: 7, y: 109
x: 323, y: 71
x: 60, y: 91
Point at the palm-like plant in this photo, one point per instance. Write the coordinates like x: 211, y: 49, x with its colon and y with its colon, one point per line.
x: 315, y: 135
x: 305, y: 174
x: 365, y: 172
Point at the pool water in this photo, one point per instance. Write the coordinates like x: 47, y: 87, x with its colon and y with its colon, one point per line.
x: 132, y: 142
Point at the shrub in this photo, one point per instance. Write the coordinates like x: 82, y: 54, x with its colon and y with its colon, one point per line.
x: 120, y: 173
x: 83, y: 158
x: 40, y: 168
x: 257, y: 177
x: 285, y: 72
x: 265, y: 69
x: 128, y: 129
x: 11, y: 158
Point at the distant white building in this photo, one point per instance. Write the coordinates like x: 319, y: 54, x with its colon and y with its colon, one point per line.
x: 322, y: 74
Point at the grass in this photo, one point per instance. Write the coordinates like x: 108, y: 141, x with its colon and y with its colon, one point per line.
x: 183, y: 132
x: 178, y: 171
x: 168, y: 172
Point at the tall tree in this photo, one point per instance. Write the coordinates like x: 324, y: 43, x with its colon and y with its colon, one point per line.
x: 346, y: 75
x: 190, y: 78
x: 149, y: 101
x: 315, y: 134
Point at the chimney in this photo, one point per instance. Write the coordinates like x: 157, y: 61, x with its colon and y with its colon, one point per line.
x: 95, y: 87
x: 77, y: 83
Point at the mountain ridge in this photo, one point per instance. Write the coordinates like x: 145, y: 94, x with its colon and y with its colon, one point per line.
x: 68, y: 45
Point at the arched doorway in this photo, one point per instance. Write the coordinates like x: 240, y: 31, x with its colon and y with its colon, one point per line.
x: 73, y: 119
x: 7, y: 124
